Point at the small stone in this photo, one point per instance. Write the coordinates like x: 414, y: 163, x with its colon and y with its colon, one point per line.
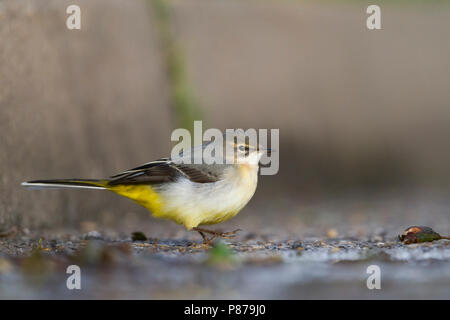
x: 378, y: 238
x: 138, y: 236
x: 297, y: 245
x: 93, y: 235
x: 332, y: 233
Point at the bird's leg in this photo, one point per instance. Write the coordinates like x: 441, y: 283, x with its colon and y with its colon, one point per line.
x: 205, y: 239
x: 215, y: 234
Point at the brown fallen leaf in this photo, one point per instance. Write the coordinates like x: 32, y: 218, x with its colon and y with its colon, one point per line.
x: 418, y: 234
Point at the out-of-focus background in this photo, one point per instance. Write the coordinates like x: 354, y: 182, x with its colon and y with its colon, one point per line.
x: 357, y: 110
x: 364, y: 119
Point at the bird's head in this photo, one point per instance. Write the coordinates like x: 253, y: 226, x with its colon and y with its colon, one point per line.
x: 244, y: 152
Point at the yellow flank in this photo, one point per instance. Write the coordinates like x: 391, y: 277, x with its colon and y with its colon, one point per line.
x: 150, y: 199
x: 142, y: 194
x: 146, y: 196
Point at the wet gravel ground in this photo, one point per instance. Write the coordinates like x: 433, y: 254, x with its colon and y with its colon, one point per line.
x: 288, y: 249
x: 252, y: 268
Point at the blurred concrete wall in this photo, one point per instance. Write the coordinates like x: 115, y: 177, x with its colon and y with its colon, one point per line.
x: 354, y: 107
x: 82, y: 103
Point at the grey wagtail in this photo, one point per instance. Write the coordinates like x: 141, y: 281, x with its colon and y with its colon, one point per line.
x: 188, y: 194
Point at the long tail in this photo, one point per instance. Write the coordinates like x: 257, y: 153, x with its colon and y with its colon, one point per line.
x: 67, y: 183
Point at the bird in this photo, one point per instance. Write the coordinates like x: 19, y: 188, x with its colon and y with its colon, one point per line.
x: 190, y: 194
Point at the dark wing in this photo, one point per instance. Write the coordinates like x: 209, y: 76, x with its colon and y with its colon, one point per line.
x: 163, y: 170
x: 147, y: 165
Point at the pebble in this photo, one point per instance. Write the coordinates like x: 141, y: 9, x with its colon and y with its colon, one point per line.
x: 332, y: 233
x: 93, y: 235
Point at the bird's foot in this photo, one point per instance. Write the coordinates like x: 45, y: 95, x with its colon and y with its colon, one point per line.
x: 215, y: 234
x: 229, y: 235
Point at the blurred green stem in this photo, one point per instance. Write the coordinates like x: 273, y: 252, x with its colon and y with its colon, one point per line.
x: 182, y: 99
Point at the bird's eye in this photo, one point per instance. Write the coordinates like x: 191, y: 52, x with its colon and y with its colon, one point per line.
x: 245, y: 149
